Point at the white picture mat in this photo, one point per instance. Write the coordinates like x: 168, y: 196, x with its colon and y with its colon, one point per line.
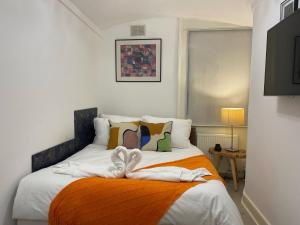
x: 157, y: 42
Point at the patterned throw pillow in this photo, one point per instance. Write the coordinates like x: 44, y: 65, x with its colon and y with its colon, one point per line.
x: 155, y: 136
x: 123, y: 134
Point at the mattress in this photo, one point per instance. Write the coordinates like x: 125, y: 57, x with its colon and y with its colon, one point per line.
x: 205, y: 204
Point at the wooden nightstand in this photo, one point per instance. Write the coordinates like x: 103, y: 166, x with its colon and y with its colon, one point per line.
x: 232, y: 156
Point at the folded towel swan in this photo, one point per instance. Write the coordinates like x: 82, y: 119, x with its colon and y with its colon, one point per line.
x: 120, y: 164
x: 134, y: 157
x: 124, y: 161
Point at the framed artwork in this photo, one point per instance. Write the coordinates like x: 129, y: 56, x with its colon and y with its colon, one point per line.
x: 287, y: 8
x: 138, y: 60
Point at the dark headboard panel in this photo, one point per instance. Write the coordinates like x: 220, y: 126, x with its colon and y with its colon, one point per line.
x: 84, y: 127
x: 84, y: 135
x: 52, y: 155
x: 193, y: 136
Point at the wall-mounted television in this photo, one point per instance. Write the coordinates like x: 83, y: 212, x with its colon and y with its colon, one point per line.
x: 282, y: 75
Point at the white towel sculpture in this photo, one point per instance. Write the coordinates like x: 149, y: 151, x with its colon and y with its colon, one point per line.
x: 124, y: 161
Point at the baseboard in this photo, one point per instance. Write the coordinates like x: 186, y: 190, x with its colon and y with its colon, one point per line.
x: 253, y: 211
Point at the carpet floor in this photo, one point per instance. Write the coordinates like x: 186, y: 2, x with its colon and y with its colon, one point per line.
x: 237, y: 197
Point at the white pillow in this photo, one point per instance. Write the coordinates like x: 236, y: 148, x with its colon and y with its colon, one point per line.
x: 120, y: 119
x: 181, y: 130
x: 101, y: 126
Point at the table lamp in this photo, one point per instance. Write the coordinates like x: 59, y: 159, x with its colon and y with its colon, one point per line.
x: 233, y: 117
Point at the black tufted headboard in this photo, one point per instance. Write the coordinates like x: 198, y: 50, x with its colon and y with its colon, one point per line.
x: 84, y: 134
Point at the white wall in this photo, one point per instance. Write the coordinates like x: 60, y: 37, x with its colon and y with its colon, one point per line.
x: 49, y: 63
x: 272, y: 179
x: 141, y: 98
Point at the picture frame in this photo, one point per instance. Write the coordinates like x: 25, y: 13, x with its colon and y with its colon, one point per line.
x: 138, y: 60
x: 287, y: 8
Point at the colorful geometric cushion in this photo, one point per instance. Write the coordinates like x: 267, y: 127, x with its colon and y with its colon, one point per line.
x: 181, y: 130
x: 155, y: 136
x: 123, y: 134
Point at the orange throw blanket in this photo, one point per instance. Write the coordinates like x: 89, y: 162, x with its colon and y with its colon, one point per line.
x: 100, y: 201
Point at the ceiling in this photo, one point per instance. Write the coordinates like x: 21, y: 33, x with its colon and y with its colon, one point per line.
x: 106, y: 13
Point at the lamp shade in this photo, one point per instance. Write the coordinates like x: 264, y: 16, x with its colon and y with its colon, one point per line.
x: 233, y: 116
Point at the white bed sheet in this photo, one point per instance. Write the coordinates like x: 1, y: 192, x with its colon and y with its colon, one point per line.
x: 204, y: 204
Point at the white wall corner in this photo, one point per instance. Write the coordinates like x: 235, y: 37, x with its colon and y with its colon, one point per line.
x: 81, y: 16
x: 257, y: 216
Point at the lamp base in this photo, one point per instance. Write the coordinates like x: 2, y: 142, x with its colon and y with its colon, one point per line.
x: 231, y: 149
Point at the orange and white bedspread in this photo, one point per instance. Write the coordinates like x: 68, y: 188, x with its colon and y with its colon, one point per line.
x: 200, y: 204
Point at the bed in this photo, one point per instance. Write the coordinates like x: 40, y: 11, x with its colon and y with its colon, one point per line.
x: 204, y: 204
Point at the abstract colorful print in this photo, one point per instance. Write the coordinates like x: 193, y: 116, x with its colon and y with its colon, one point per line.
x: 138, y: 60
x: 123, y: 134
x: 155, y: 136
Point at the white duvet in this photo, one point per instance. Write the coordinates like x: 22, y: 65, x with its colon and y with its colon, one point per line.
x: 204, y: 204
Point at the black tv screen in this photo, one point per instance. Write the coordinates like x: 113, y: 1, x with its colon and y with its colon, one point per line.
x: 282, y: 75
